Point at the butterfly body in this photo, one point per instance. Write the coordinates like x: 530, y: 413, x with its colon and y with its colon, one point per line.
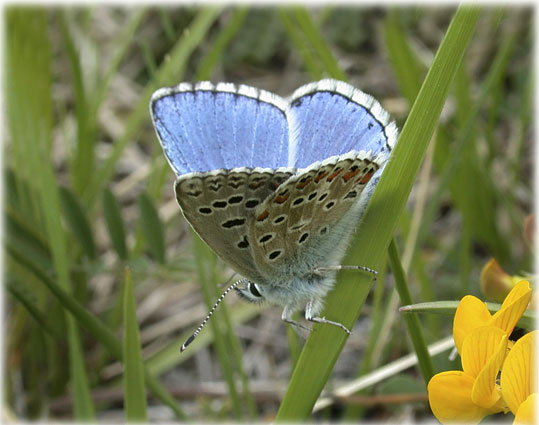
x: 275, y: 188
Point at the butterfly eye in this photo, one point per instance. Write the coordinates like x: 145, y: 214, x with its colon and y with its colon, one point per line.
x: 254, y: 290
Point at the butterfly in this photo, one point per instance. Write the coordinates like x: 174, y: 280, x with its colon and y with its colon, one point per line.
x: 275, y: 187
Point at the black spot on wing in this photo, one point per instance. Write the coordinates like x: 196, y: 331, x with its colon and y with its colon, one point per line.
x: 236, y: 199
x: 235, y: 222
x: 266, y: 238
x: 274, y: 254
x: 251, y: 203
x: 243, y: 243
x: 219, y: 204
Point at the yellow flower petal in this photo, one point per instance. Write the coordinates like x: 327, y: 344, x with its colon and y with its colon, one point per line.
x: 471, y: 313
x: 488, y: 346
x: 518, y: 372
x: 521, y: 288
x: 527, y: 412
x: 513, y: 307
x: 450, y: 398
x: 479, y: 347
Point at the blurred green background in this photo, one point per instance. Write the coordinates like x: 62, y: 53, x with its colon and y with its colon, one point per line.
x: 88, y: 192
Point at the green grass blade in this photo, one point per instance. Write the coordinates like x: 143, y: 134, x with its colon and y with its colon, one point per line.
x: 114, y: 223
x: 85, y: 318
x: 168, y: 357
x: 82, y: 396
x: 404, y: 63
x: 149, y: 59
x: 20, y: 232
x: 78, y: 221
x: 475, y: 201
x: 448, y: 308
x: 17, y: 290
x: 170, y: 71
x: 166, y: 24
x: 152, y: 227
x: 468, y: 198
x: 294, y: 345
x: 412, y: 322
x: 501, y: 60
x: 205, y: 260
x: 369, y: 360
x: 83, y: 163
x: 525, y: 118
x: 92, y: 324
x: 134, y: 388
x: 125, y: 41
x: 307, y: 25
x: 29, y: 50
x: 298, y: 40
x: 211, y: 59
x: 379, y: 221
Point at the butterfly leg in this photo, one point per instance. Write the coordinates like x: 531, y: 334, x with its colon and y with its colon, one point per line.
x: 311, y: 309
x: 337, y: 268
x: 287, y: 318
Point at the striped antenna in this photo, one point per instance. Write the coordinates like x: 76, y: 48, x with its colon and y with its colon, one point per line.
x: 195, y: 333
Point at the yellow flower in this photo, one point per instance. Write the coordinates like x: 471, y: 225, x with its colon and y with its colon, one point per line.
x: 481, y: 339
x: 495, y: 283
x: 472, y: 394
x: 473, y: 313
x: 519, y: 388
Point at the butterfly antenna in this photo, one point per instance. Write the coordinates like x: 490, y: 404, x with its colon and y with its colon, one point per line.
x: 195, y: 333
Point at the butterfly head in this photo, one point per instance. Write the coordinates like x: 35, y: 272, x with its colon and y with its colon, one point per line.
x: 251, y: 291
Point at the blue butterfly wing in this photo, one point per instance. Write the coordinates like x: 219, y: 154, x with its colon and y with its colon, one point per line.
x: 205, y: 127
x: 330, y: 118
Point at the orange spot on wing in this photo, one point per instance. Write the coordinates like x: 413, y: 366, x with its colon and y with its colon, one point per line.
x: 349, y: 175
x: 334, y: 174
x: 256, y: 183
x: 263, y: 216
x: 320, y: 176
x: 281, y: 199
x: 303, y: 184
x: 366, y: 177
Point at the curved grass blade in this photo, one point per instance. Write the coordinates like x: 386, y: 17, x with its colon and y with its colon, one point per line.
x: 17, y: 290
x: 134, y: 388
x: 379, y: 221
x: 211, y: 59
x: 93, y: 325
x: 28, y: 49
x: 412, y: 321
x: 124, y: 42
x: 205, y: 260
x: 496, y: 72
x: 168, y: 358
x: 152, y: 227
x: 448, y: 308
x: 83, y: 163
x: 78, y: 221
x: 114, y: 223
x: 82, y: 396
x: 297, y: 39
x: 21, y: 232
x: 305, y: 22
x: 405, y: 66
